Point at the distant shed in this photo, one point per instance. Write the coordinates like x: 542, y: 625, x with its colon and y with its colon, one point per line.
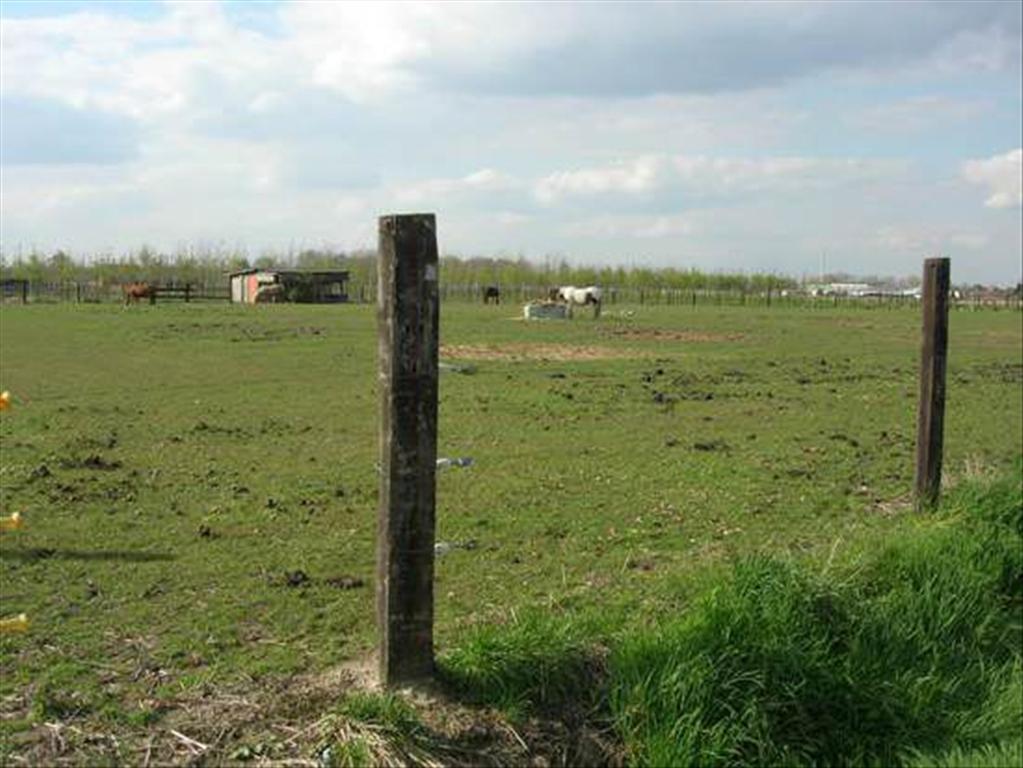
x: 301, y: 286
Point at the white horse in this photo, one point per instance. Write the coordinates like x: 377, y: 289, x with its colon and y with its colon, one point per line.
x: 581, y: 296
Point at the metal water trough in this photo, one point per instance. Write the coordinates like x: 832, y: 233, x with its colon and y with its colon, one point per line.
x: 545, y: 310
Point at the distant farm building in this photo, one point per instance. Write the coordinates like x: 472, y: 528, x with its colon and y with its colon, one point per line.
x: 840, y: 289
x: 861, y: 290
x: 303, y: 286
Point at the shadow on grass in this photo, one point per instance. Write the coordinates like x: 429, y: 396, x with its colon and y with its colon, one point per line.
x: 45, y: 553
x: 547, y: 675
x: 383, y: 728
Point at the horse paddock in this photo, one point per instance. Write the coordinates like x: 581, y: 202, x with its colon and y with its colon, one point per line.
x: 191, y: 545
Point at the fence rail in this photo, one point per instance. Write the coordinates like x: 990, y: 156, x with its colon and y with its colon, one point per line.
x: 365, y: 292
x: 615, y: 295
x: 92, y: 293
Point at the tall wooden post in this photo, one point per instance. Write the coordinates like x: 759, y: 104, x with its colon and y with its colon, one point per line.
x: 933, y: 356
x: 408, y: 325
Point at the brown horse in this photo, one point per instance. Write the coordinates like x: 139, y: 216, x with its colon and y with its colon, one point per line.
x: 135, y: 292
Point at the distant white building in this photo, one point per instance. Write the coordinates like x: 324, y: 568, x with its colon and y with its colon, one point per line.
x: 841, y: 289
x: 860, y: 290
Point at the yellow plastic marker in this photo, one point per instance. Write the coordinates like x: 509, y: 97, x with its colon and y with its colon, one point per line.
x: 17, y: 624
x: 11, y: 523
x: 5, y: 400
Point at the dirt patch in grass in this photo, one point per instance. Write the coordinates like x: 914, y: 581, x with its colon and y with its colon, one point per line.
x: 521, y: 352
x: 317, y: 719
x: 827, y: 318
x: 998, y: 337
x: 662, y: 334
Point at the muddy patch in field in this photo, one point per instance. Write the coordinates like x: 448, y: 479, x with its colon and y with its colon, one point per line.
x: 543, y: 352
x: 662, y: 334
x: 277, y: 334
x: 233, y: 331
x: 1001, y: 372
x: 841, y: 322
x: 998, y: 337
x: 92, y: 461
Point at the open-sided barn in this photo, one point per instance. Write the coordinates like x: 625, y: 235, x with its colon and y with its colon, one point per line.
x: 249, y: 286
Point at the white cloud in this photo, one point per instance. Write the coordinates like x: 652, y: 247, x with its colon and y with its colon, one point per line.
x: 148, y: 70
x: 434, y: 190
x: 919, y: 241
x: 638, y: 227
x: 1002, y: 175
x: 512, y: 218
x: 266, y: 101
x: 361, y: 49
x: 987, y: 49
x: 596, y: 130
x: 699, y: 175
x: 641, y: 174
x: 918, y: 113
x: 367, y: 50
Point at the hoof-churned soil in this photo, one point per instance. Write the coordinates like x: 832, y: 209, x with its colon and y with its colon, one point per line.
x: 527, y: 352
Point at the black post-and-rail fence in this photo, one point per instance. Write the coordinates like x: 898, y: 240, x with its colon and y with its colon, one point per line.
x: 29, y: 292
x: 68, y: 292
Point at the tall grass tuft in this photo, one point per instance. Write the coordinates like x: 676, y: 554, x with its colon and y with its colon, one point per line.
x: 1007, y: 754
x: 534, y: 660
x: 913, y: 651
x: 909, y: 654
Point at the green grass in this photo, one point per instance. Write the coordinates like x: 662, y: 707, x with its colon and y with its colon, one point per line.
x: 906, y: 653
x: 916, y: 646
x: 533, y: 660
x: 384, y: 710
x: 1007, y: 754
x: 174, y: 463
x: 368, y: 729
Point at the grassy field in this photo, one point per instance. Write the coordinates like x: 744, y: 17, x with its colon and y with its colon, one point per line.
x: 198, y: 487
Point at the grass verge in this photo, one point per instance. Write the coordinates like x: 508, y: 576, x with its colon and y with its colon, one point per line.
x: 906, y: 654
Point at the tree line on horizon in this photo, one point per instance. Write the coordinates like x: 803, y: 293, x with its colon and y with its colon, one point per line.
x: 211, y: 267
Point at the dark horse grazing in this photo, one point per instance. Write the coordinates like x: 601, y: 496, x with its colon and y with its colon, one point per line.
x: 491, y: 292
x: 135, y: 292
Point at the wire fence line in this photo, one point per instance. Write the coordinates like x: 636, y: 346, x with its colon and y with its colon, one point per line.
x: 28, y: 292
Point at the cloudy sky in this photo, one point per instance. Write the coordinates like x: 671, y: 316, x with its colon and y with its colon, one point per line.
x: 761, y: 136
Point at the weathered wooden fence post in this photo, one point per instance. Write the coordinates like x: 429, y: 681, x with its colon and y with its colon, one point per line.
x: 933, y: 355
x: 408, y: 325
